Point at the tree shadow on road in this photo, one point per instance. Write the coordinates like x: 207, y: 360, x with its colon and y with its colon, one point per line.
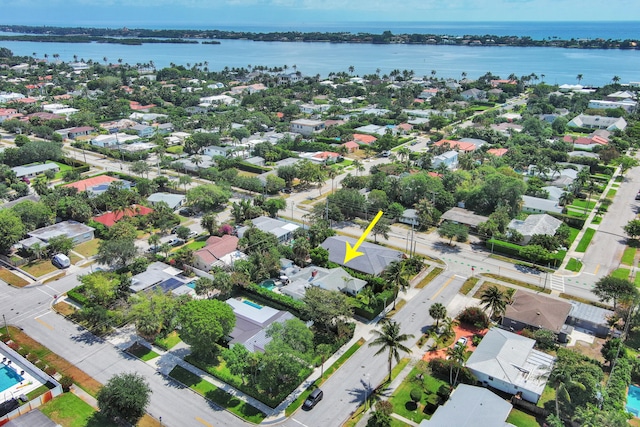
x: 446, y: 248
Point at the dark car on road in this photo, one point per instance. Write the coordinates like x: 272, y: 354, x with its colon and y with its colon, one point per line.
x: 313, y: 399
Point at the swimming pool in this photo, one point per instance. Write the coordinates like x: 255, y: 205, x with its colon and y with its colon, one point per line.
x: 268, y: 284
x: 8, y: 377
x: 252, y: 304
x: 633, y: 400
x: 192, y: 285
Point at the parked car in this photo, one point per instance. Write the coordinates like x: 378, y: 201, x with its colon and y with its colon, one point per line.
x: 313, y: 399
x: 187, y: 212
x: 192, y: 235
x: 638, y: 196
x: 61, y: 261
x: 176, y: 242
x: 462, y: 342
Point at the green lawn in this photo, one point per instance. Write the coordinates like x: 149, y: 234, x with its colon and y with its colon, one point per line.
x: 469, y: 284
x: 169, y: 341
x: 195, y: 245
x: 580, y: 204
x: 548, y: 394
x: 586, y: 239
x: 12, y: 279
x: 39, y: 267
x: 69, y: 410
x: 220, y: 397
x: 141, y: 352
x: 401, y: 400
x: 574, y: 265
x: 63, y: 169
x: 628, y: 256
x: 621, y: 273
x: 637, y: 280
x: 611, y: 194
x: 521, y: 419
x: 89, y: 248
x: 573, y: 233
x: 175, y: 149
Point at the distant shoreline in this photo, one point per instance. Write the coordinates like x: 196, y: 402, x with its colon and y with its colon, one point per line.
x: 141, y: 36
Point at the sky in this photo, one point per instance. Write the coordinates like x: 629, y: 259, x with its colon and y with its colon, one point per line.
x: 208, y: 14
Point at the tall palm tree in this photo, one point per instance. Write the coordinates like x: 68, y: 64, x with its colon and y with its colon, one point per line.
x: 448, y: 332
x: 332, y: 173
x: 185, y: 180
x: 457, y: 354
x: 560, y: 379
x: 494, y: 299
x: 579, y: 78
x: 437, y: 311
x: 390, y: 339
x: 396, y: 274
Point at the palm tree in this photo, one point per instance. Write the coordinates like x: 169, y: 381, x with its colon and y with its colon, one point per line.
x: 615, y: 80
x: 494, y: 299
x: 457, y: 354
x: 448, y: 328
x: 396, y: 275
x: 197, y: 160
x: 184, y: 180
x: 579, y: 78
x: 560, y: 379
x: 332, y: 173
x: 390, y: 338
x: 437, y: 311
x: 358, y: 165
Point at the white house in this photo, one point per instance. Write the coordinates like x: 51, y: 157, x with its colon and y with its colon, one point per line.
x: 306, y: 127
x: 535, y: 224
x: 598, y: 122
x: 628, y: 105
x: 31, y: 171
x: 509, y: 363
x: 213, y: 151
x: 449, y: 159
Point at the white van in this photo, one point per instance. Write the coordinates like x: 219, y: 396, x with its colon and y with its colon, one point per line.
x: 61, y: 261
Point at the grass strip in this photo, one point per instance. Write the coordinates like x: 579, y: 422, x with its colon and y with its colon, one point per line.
x: 585, y: 240
x: 628, y: 256
x: 142, y: 352
x: 429, y: 277
x: 12, y: 279
x: 574, y: 265
x: 518, y: 283
x: 216, y: 395
x: 469, y: 284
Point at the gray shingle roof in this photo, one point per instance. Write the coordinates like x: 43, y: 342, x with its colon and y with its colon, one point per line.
x: 536, y: 224
x: 375, y: 258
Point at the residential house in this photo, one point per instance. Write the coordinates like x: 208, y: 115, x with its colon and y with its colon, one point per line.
x: 252, y: 321
x: 590, y: 318
x: 209, y: 101
x: 586, y: 142
x: 471, y: 406
x: 214, y: 251
x: 377, y: 130
x: 498, y: 152
x: 627, y: 105
x: 43, y: 116
x: 31, y: 171
x: 215, y: 151
x: 598, y: 122
x: 475, y: 141
x: 409, y: 216
x: 335, y: 279
x: 498, y: 82
x: 76, y: 231
x: 6, y: 97
x: 508, y: 362
x: 555, y: 193
x: 110, y: 218
x: 537, y: 205
x: 474, y: 95
x: 465, y: 147
x: 161, y: 276
x: 427, y: 94
x: 313, y: 108
x: 306, y: 127
x: 375, y: 258
x: 256, y: 161
x: 507, y: 129
x: 285, y: 79
x: 542, y: 224
x: 97, y: 184
x: 535, y: 311
x: 464, y: 217
x: 351, y: 146
x: 136, y: 147
x: 449, y: 159
x: 143, y: 131
x: 164, y: 128
x: 174, y: 201
x: 364, y: 139
x: 325, y: 157
x: 281, y: 229
x: 8, y: 113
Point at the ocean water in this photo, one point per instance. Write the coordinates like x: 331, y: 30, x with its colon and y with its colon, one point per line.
x: 558, y: 65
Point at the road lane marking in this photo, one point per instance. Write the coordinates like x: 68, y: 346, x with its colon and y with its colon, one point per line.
x: 43, y: 323
x: 596, y: 270
x: 442, y: 288
x: 200, y: 420
x: 293, y: 419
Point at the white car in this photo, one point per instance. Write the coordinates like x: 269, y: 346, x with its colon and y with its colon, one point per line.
x: 462, y: 342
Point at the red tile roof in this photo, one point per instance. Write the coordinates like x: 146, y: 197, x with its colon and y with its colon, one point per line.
x: 134, y: 105
x: 216, y: 248
x: 351, y: 144
x: 364, y: 139
x: 25, y: 100
x: 498, y: 152
x: 456, y: 145
x: 434, y: 174
x: 82, y: 185
x: 111, y: 218
x: 586, y: 140
x: 325, y: 155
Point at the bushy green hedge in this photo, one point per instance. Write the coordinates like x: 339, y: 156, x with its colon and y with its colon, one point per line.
x: 571, y: 221
x: 441, y: 368
x: 504, y: 247
x: 616, y: 391
x: 278, y: 301
x: 77, y: 295
x: 248, y: 167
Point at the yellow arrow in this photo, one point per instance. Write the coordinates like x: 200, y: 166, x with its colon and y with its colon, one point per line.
x: 352, y: 252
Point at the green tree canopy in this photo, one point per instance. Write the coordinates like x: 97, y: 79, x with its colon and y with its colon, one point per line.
x: 205, y: 322
x: 208, y: 197
x: 326, y: 308
x: 124, y: 398
x: 11, y: 229
x: 613, y: 288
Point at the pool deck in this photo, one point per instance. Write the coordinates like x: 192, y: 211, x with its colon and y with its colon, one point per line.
x: 29, y: 383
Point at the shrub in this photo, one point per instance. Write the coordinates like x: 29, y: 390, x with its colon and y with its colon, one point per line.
x: 545, y: 339
x: 416, y: 394
x: 50, y: 370
x: 474, y: 316
x: 66, y: 381
x: 476, y: 340
x: 440, y: 368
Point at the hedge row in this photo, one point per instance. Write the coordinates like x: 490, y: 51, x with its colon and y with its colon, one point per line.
x: 571, y: 221
x: 248, y: 167
x: 278, y: 301
x: 77, y: 295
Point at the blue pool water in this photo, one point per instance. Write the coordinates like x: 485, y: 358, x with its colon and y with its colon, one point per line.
x: 268, y: 284
x: 633, y: 400
x: 192, y: 285
x: 252, y: 304
x: 8, y: 378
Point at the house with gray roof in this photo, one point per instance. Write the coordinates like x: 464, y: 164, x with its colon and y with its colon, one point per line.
x: 174, y: 201
x: 593, y: 319
x: 156, y: 274
x: 463, y: 216
x: 509, y: 363
x: 214, y: 150
x: 374, y: 259
x: 535, y: 311
x: 471, y: 406
x: 449, y: 159
x: 554, y: 192
x: 475, y: 141
x: 409, y: 216
x: 252, y: 320
x: 473, y: 94
x: 76, y: 231
x: 335, y: 279
x: 598, y: 122
x: 535, y: 224
x: 281, y: 229
x: 537, y: 205
x: 31, y: 171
